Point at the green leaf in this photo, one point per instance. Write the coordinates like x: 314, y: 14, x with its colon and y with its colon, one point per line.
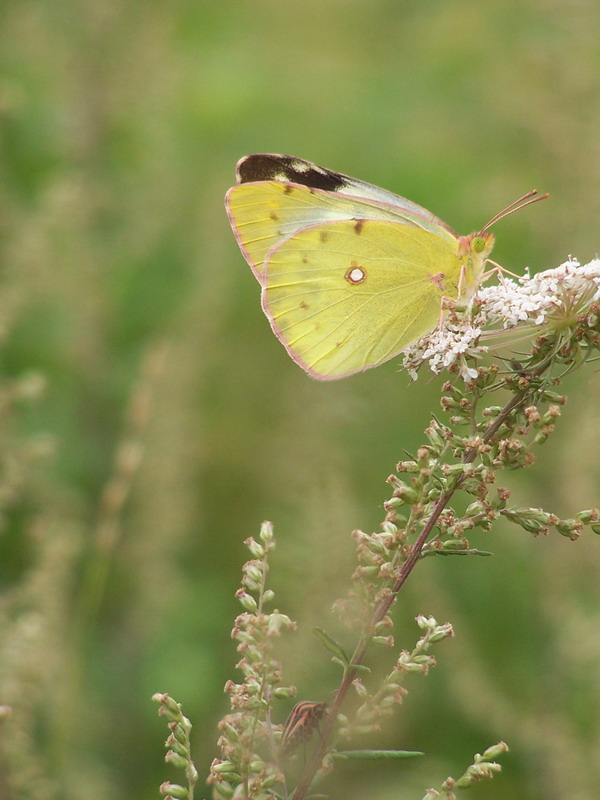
x: 333, y: 647
x: 374, y: 755
x: 361, y: 668
x: 470, y: 552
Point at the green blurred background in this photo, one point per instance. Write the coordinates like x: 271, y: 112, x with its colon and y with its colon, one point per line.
x: 151, y: 420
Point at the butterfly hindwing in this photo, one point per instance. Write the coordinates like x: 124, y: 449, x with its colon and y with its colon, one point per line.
x: 348, y: 294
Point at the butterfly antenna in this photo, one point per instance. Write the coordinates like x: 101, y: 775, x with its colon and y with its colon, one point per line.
x: 517, y: 205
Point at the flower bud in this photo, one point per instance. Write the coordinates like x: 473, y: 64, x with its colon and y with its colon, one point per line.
x: 441, y: 632
x: 589, y: 515
x: 223, y: 789
x: 495, y: 751
x: 255, y: 548
x: 406, y: 466
x: 266, y: 531
x: 222, y: 766
x: 173, y: 790
x: 385, y: 641
x: 477, y: 507
x: 406, y: 493
x: 176, y: 759
x: 247, y: 601
x: 254, y: 572
x: 284, y: 692
x: 277, y: 622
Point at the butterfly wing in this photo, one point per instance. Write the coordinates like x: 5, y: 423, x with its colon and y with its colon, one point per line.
x: 346, y: 295
x: 265, y: 214
x: 288, y: 169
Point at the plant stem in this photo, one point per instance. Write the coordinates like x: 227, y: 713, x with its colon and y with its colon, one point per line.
x: 384, y: 605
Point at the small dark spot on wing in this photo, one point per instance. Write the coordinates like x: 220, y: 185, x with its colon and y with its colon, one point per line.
x: 323, y: 236
x: 358, y: 226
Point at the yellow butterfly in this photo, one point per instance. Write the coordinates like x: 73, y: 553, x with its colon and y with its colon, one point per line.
x: 351, y: 274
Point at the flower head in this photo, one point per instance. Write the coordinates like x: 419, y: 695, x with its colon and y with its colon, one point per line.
x: 551, y: 301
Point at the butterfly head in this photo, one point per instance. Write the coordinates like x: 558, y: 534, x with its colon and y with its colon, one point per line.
x: 476, y: 245
x: 474, y: 249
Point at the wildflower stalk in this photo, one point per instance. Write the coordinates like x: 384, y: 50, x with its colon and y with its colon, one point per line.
x: 386, y: 602
x: 483, y: 766
x: 570, y: 336
x: 178, y: 748
x: 248, y: 729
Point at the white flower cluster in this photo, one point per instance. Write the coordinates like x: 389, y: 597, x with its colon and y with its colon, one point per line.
x: 535, y: 301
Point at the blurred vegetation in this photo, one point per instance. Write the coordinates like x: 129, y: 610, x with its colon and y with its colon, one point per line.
x: 151, y: 420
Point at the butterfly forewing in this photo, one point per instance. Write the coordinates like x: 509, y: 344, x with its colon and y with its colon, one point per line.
x: 264, y: 214
x: 288, y: 169
x: 347, y: 295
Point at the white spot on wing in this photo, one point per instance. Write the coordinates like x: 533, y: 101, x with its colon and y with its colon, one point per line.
x: 355, y: 274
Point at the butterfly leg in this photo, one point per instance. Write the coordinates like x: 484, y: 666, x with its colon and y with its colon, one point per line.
x: 446, y: 302
x: 442, y: 314
x: 461, y: 280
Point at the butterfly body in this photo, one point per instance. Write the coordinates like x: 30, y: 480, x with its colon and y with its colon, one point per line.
x: 350, y: 274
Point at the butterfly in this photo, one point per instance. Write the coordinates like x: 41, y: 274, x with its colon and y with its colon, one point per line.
x: 351, y: 274
x: 300, y: 724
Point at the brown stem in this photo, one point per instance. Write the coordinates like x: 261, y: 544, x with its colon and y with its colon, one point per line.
x: 384, y: 605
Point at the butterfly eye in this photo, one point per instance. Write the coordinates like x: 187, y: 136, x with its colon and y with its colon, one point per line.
x: 478, y: 244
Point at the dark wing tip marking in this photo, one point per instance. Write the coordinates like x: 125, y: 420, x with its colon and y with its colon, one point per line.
x: 271, y: 167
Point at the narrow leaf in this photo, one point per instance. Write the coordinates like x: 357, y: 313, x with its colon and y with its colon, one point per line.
x: 470, y: 552
x: 361, y: 668
x: 333, y: 646
x: 373, y: 755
